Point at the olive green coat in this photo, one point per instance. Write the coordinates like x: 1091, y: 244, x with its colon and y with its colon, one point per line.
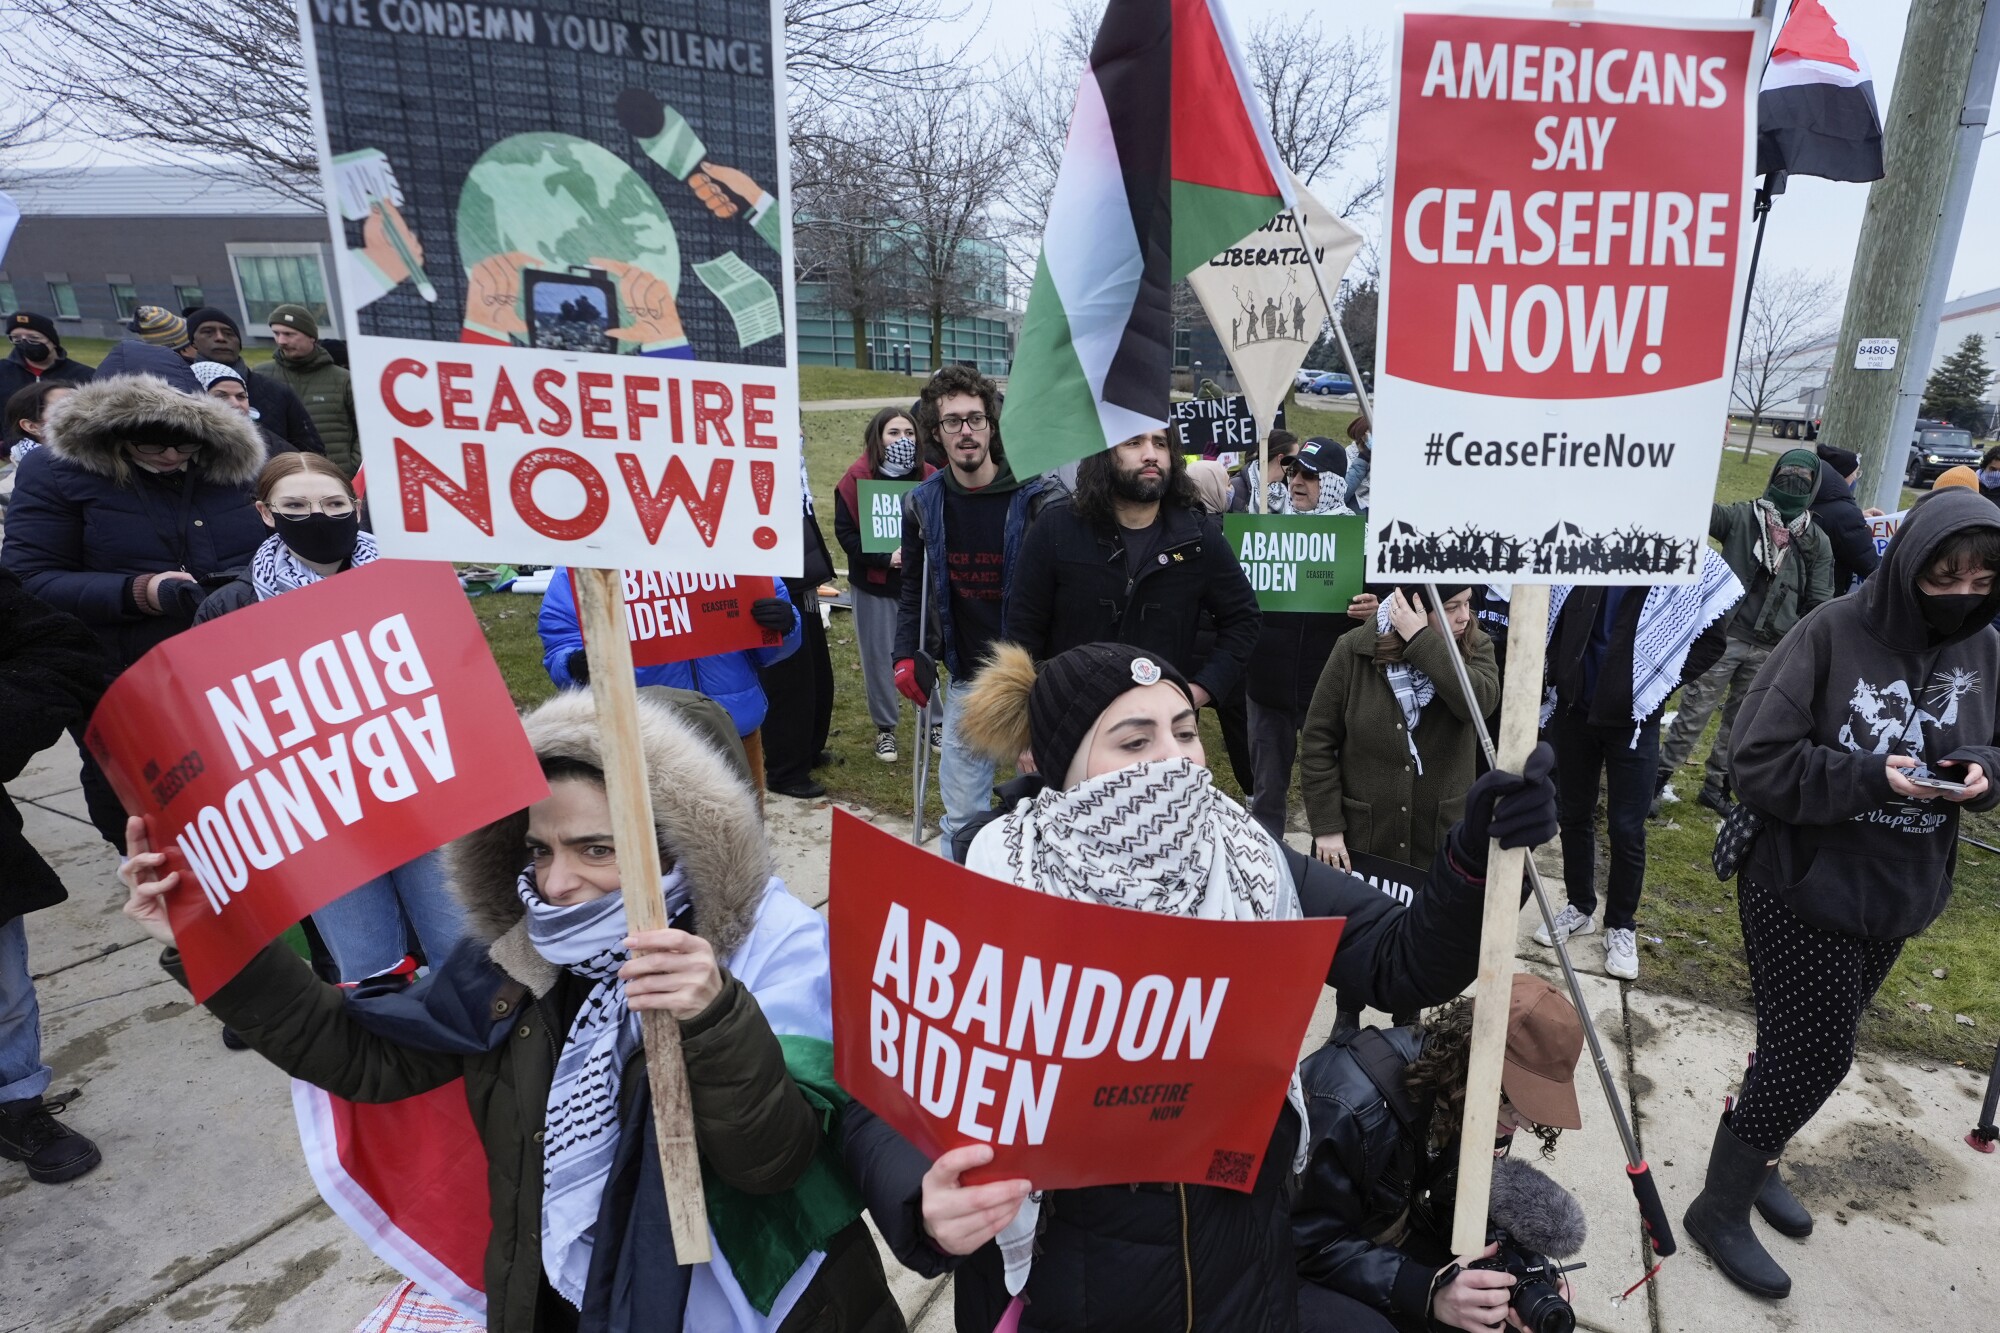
x: 1355, y: 769
x: 327, y: 390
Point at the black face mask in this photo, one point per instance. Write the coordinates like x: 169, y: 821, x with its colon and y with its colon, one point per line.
x: 320, y: 538
x: 37, y: 352
x: 1946, y: 613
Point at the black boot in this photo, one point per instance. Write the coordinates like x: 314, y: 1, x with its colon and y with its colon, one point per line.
x: 1719, y: 1217
x: 1781, y: 1208
x: 30, y: 1132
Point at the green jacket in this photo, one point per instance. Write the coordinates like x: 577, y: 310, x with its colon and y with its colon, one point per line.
x: 1355, y: 770
x: 1771, y: 605
x: 327, y: 390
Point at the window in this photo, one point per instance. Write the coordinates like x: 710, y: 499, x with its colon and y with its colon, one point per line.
x: 124, y: 298
x: 188, y: 298
x: 63, y: 297
x: 274, y: 275
x: 7, y: 303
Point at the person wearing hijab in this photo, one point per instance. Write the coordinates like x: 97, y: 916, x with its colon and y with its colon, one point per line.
x: 1124, y: 814
x: 539, y: 1014
x: 1869, y: 729
x: 1782, y: 557
x: 1211, y: 484
x: 227, y: 386
x: 875, y: 580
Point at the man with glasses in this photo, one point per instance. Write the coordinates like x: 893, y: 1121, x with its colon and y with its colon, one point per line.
x: 37, y: 356
x: 961, y: 536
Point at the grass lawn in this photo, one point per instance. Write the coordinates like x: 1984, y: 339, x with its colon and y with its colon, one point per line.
x: 846, y: 382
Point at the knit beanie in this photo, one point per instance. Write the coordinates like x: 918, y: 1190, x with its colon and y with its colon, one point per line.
x: 208, y: 372
x: 296, y: 317
x: 42, y: 324
x: 1844, y: 461
x: 159, y: 326
x: 209, y: 314
x: 1073, y: 689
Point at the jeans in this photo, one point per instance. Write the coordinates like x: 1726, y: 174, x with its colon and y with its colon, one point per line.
x: 22, y: 1073
x: 1732, y: 676
x: 368, y: 930
x: 965, y: 776
x: 875, y: 635
x: 1583, y: 751
x: 1274, y: 747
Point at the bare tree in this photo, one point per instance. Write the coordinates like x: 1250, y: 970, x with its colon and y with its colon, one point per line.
x: 847, y: 231
x: 1321, y: 95
x: 835, y: 49
x: 1792, y: 311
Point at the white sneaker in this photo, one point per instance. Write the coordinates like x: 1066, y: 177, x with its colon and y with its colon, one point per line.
x: 1621, y: 955
x: 1569, y: 921
x: 885, y: 746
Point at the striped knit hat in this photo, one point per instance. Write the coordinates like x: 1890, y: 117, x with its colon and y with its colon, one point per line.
x: 159, y: 326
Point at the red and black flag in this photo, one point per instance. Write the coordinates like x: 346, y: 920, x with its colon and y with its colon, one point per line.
x: 1816, y: 113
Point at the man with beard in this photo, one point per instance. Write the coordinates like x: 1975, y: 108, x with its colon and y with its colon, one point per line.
x: 962, y: 533
x: 275, y: 407
x: 37, y: 356
x: 1133, y: 558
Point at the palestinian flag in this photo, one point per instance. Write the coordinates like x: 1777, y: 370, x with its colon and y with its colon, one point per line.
x: 1169, y: 162
x: 1816, y: 113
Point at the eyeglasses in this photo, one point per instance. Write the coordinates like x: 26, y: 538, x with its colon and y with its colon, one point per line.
x: 155, y: 450
x: 971, y: 421
x: 337, y: 507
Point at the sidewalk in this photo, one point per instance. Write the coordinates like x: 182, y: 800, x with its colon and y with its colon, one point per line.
x: 203, y: 1218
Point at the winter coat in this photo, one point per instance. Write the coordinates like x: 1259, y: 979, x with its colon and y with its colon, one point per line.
x: 1839, y: 516
x: 1071, y: 588
x: 280, y: 412
x: 1771, y: 604
x: 15, y: 374
x: 52, y: 670
x: 1610, y: 706
x: 924, y: 545
x: 1355, y: 770
x: 1861, y: 679
x: 728, y: 678
x: 869, y: 574
x: 1291, y: 653
x: 85, y: 522
x: 327, y: 391
x: 1147, y: 1257
x: 490, y: 1016
x: 137, y: 357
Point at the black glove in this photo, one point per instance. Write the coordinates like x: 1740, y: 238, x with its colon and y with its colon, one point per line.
x: 179, y: 598
x: 1518, y: 809
x: 773, y: 613
x: 579, y: 667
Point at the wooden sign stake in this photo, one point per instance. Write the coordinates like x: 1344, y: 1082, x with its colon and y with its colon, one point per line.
x: 601, y: 601
x: 1520, y: 715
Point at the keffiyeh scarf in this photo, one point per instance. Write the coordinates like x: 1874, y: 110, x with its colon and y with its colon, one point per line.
x: 1413, y: 689
x: 274, y: 569
x: 580, y: 1140
x: 1332, y: 497
x: 1775, y: 536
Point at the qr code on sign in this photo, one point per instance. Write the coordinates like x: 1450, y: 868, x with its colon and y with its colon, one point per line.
x: 1230, y: 1168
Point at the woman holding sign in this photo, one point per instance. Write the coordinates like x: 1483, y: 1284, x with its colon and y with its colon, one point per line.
x: 888, y: 454
x: 538, y: 1014
x: 1130, y: 818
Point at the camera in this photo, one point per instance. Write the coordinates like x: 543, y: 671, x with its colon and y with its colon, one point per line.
x: 1537, y: 1299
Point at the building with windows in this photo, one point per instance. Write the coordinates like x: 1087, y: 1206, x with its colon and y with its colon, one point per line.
x: 900, y: 339
x: 94, y: 242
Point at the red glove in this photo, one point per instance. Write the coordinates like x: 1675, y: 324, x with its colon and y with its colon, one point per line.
x: 906, y: 682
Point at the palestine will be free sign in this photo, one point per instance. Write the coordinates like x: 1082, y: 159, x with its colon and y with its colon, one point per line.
x: 1566, y: 234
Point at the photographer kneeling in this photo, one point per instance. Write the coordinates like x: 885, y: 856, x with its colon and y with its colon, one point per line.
x: 1372, y: 1225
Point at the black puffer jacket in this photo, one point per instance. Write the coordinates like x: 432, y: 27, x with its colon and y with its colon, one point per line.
x: 1839, y: 516
x: 1292, y: 649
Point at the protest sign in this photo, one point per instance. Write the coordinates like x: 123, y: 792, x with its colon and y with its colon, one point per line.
x: 1395, y: 879
x: 675, y: 617
x: 1566, y: 238
x: 1088, y: 1045
x: 1215, y: 427
x: 1882, y: 529
x: 564, y: 258
x: 1299, y: 562
x: 881, y: 515
x: 289, y: 752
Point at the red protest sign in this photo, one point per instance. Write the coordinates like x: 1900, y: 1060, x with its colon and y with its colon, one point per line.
x: 288, y: 752
x: 673, y: 617
x: 1087, y: 1045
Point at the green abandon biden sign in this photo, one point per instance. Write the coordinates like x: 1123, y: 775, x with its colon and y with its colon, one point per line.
x: 881, y: 516
x: 1299, y: 562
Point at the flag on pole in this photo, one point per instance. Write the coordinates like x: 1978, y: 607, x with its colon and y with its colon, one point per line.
x: 1168, y: 163
x: 1816, y: 113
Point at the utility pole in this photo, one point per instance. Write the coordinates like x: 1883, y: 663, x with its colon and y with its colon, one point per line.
x: 1909, y: 236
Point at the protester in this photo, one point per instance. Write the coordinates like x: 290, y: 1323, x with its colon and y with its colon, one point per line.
x: 51, y: 673
x: 874, y: 579
x: 139, y: 503
x: 539, y: 1013
x: 1778, y: 552
x: 274, y: 407
x: 1871, y: 698
x: 227, y: 386
x: 1841, y: 518
x: 1389, y: 746
x: 1361, y: 461
x: 1131, y: 557
x: 799, y: 685
x: 1989, y: 474
x: 38, y: 356
x: 315, y: 524
x: 728, y: 678
x: 1129, y: 817
x: 158, y: 346
x: 1374, y: 1216
x: 1614, y: 655
x: 962, y: 534
x: 1282, y: 444
x: 1211, y: 482
x: 301, y: 365
x: 1956, y: 478
x: 27, y: 412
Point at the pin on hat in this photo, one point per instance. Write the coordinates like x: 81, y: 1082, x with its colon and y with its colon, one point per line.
x: 1145, y: 671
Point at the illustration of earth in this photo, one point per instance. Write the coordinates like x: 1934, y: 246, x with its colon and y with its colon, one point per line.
x: 566, y: 201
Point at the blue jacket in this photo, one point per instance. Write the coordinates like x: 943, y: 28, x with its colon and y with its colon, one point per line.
x: 135, y: 357
x: 728, y: 678
x: 924, y: 562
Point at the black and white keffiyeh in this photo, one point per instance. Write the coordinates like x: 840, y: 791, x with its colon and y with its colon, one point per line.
x: 274, y: 569
x: 1413, y: 690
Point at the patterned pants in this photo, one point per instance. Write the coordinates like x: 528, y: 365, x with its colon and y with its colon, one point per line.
x: 1811, y: 986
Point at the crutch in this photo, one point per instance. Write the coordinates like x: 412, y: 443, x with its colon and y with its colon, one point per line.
x: 1985, y: 1132
x: 921, y: 774
x: 1659, y: 1233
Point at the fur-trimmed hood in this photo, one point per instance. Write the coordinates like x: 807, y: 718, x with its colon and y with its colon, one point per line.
x: 705, y: 815
x: 93, y: 425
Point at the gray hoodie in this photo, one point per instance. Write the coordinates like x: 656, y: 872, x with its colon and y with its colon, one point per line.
x: 1860, y: 679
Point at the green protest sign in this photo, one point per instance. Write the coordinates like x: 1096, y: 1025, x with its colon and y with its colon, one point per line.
x: 881, y: 516
x: 1299, y: 562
